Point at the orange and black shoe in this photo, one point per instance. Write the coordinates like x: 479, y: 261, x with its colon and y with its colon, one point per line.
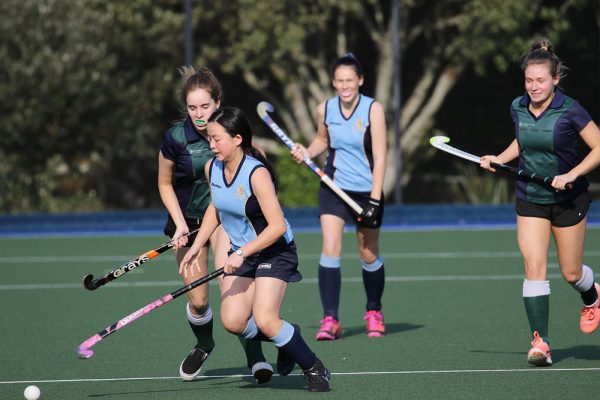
x: 539, y: 354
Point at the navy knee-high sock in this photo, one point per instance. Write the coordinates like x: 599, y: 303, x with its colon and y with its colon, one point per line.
x: 296, y: 347
x: 374, y: 282
x: 330, y: 282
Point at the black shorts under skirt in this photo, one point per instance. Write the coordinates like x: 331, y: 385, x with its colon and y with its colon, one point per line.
x: 568, y: 213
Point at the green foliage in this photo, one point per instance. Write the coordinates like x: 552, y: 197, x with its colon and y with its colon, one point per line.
x: 89, y: 86
x: 85, y: 82
x: 476, y: 186
x: 498, y: 32
x: 298, y: 185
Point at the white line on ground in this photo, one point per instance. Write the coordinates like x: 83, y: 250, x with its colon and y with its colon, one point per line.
x: 175, y: 284
x: 450, y: 371
x: 315, y: 256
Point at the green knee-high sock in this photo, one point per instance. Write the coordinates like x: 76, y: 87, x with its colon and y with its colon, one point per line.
x: 204, y: 335
x: 253, y: 350
x: 538, y: 311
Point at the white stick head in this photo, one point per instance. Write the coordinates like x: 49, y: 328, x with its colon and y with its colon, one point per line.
x: 263, y: 107
x: 436, y: 141
x: 440, y: 142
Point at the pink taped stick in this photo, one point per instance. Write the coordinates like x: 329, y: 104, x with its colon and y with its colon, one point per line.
x: 85, y: 351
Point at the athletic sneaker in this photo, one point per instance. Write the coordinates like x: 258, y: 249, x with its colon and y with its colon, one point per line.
x: 330, y: 329
x: 539, y: 354
x: 375, y: 326
x: 590, y: 315
x: 262, y: 372
x: 317, y: 377
x: 191, y: 366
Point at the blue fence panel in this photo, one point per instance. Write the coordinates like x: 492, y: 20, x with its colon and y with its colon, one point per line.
x: 302, y: 219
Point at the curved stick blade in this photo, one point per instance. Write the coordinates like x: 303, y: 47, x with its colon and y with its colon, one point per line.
x: 88, y: 282
x: 263, y: 107
x: 84, y: 353
x: 435, y: 141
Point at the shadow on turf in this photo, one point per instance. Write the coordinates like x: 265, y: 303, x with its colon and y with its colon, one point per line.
x: 583, y: 352
x: 390, y: 328
x: 223, y: 378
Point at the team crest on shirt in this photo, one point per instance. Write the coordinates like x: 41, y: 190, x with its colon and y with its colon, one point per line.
x: 240, y: 193
x: 359, y: 126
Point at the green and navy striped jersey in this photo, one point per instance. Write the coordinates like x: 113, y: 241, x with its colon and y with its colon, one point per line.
x: 549, y: 146
x: 190, y: 152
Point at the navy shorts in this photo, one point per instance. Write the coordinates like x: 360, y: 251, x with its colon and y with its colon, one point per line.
x: 332, y: 204
x: 561, y: 215
x: 270, y: 263
x: 192, y: 223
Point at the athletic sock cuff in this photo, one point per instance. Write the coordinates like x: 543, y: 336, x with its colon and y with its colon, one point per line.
x: 251, y: 329
x: 284, y: 335
x: 586, y: 281
x: 329, y: 262
x: 372, y: 267
x: 199, y: 320
x: 536, y: 288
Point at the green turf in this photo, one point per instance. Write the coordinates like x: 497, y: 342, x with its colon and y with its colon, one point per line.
x: 453, y: 309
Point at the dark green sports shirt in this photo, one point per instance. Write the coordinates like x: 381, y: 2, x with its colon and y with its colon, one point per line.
x: 549, y: 146
x: 183, y: 145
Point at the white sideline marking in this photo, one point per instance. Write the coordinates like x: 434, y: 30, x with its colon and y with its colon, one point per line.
x: 312, y: 256
x: 450, y: 371
x: 176, y: 284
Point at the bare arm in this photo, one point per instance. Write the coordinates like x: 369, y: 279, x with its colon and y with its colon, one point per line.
x: 509, y: 154
x: 169, y: 199
x: 379, y: 143
x: 319, y: 144
x: 263, y: 189
x: 210, y: 222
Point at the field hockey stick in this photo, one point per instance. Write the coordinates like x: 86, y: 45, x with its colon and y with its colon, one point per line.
x: 85, y: 349
x: 440, y: 142
x: 92, y: 284
x: 262, y: 109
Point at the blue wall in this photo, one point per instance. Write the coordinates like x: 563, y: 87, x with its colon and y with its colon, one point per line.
x: 152, y: 221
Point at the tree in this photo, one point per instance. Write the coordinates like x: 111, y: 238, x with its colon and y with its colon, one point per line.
x: 282, y: 50
x: 84, y: 85
x: 89, y: 86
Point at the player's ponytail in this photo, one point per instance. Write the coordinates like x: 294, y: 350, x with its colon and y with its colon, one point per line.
x: 542, y: 52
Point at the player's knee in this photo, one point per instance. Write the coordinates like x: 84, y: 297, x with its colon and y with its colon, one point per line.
x: 368, y: 254
x: 535, y: 270
x: 198, y: 304
x: 268, y: 325
x: 233, y: 325
x: 571, y: 276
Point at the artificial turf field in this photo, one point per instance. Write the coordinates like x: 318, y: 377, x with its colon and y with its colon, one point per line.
x: 452, y: 304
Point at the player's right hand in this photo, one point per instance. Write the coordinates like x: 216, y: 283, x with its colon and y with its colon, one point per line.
x: 485, y: 161
x: 190, y: 261
x: 299, y: 153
